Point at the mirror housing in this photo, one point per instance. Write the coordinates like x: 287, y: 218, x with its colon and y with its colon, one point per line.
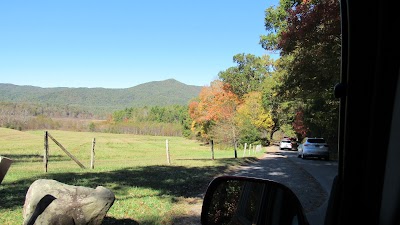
x: 236, y: 200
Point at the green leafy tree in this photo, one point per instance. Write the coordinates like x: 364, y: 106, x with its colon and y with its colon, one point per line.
x: 119, y: 116
x: 248, y: 75
x: 155, y: 116
x: 282, y: 110
x: 248, y: 133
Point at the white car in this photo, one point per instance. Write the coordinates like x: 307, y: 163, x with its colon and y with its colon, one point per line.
x: 313, y: 147
x: 285, y: 144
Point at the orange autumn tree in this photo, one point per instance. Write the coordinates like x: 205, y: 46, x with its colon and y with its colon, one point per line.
x: 215, y: 104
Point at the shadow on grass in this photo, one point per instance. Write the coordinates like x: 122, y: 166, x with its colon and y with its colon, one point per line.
x: 176, y: 181
x: 112, y: 220
x: 230, y: 161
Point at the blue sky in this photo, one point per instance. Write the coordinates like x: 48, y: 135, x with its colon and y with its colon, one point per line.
x: 123, y: 43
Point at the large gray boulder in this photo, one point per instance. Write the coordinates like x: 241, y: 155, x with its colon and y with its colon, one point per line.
x: 49, y: 202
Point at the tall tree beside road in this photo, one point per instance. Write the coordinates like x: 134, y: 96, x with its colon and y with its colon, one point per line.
x: 308, y: 36
x: 216, y: 103
x: 248, y: 75
x: 282, y: 110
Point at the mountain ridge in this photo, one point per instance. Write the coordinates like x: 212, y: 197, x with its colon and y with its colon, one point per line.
x: 105, y: 100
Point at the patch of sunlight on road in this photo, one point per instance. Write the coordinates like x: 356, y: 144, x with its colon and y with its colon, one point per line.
x: 275, y: 156
x: 277, y: 174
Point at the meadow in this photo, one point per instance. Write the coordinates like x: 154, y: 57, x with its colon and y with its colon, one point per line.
x: 148, y: 190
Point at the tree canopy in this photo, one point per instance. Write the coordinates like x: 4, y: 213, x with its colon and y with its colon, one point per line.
x: 216, y: 103
x: 248, y: 74
x: 307, y: 34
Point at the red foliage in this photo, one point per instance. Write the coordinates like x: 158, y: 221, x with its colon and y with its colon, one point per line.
x: 311, y: 23
x: 298, y: 124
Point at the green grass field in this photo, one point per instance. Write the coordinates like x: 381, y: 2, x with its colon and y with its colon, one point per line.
x: 135, y: 168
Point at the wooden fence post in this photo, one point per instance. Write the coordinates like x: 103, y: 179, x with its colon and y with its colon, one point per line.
x: 235, y: 148
x: 244, y: 150
x: 92, y: 154
x: 46, y: 151
x: 167, y: 148
x: 212, y: 149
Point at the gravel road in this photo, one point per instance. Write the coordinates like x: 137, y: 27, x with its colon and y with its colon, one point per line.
x: 275, y: 166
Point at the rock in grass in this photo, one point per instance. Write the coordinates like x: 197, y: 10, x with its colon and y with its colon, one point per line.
x: 49, y: 202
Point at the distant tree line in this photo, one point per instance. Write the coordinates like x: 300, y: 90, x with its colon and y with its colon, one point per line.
x: 173, y: 120
x: 30, y: 116
x: 49, y: 110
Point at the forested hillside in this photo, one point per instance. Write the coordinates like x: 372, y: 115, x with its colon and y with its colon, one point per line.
x: 102, y: 100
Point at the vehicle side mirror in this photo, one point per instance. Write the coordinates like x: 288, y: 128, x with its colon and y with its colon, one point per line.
x: 238, y: 200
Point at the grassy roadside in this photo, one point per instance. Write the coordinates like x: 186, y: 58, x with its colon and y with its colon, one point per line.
x: 147, y: 189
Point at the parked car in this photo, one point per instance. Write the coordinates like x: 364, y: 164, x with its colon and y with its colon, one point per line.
x: 285, y: 143
x: 313, y: 147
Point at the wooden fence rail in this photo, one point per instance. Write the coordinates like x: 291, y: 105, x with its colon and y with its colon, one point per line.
x: 46, y: 151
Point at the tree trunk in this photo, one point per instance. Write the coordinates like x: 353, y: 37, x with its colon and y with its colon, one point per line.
x: 273, y: 130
